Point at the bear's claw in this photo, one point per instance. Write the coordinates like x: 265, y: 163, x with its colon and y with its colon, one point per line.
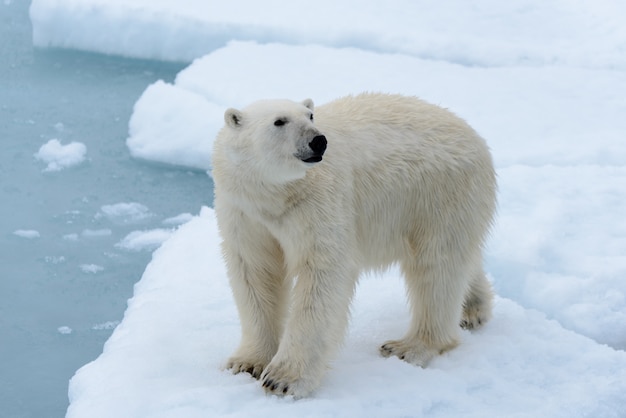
x: 476, y: 313
x: 255, y: 369
x: 281, y: 380
x: 276, y: 388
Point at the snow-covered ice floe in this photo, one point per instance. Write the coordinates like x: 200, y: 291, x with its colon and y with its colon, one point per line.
x: 477, y: 33
x: 529, y: 116
x: 165, y: 358
x: 543, y: 82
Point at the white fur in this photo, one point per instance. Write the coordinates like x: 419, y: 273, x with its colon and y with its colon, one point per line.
x: 401, y: 181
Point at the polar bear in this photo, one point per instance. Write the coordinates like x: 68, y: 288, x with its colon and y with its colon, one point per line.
x: 306, y: 202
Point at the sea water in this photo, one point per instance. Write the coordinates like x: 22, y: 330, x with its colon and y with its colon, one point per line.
x: 64, y: 277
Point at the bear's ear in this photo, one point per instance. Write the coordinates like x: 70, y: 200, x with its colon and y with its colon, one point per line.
x: 233, y: 117
x: 308, y: 103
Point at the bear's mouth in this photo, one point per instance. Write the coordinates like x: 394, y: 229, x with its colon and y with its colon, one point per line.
x: 313, y: 159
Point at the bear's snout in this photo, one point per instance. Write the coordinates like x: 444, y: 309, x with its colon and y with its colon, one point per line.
x: 318, y: 144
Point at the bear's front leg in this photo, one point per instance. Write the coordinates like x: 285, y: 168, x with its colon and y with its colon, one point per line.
x: 256, y: 270
x: 315, y: 329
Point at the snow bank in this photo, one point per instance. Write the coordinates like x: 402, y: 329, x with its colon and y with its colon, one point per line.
x: 164, y: 359
x: 493, y: 33
x: 59, y: 157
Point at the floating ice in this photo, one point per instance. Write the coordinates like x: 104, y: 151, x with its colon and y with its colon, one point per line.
x: 91, y: 268
x: 178, y: 219
x: 54, y: 259
x: 479, y: 34
x: 144, y: 240
x: 105, y: 326
x: 96, y: 233
x: 59, y: 157
x: 27, y: 233
x: 125, y: 213
x: 65, y: 330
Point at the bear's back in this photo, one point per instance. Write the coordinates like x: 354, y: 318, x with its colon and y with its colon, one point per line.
x: 374, y: 129
x: 411, y: 164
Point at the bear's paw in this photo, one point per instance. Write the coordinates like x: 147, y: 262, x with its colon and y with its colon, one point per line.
x: 282, y: 380
x: 414, y: 351
x: 476, y: 313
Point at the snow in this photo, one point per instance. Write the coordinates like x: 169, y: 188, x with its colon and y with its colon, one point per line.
x: 572, y: 265
x: 182, y: 134
x: 58, y: 156
x: 543, y: 82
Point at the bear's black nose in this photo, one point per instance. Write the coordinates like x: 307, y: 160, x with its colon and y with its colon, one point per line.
x: 318, y: 144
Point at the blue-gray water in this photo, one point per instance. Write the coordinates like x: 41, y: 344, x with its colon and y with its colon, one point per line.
x: 86, y: 98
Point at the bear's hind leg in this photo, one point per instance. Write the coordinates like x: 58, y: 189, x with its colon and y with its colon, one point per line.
x: 478, y: 302
x: 436, y: 298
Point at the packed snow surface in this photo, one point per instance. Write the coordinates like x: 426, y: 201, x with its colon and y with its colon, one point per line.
x: 543, y: 82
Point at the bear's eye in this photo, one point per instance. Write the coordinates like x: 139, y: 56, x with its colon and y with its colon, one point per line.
x: 280, y: 122
x: 311, y: 117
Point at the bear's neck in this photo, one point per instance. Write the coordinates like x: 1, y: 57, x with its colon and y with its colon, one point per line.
x: 271, y: 200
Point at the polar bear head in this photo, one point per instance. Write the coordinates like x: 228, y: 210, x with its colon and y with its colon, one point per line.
x: 276, y: 139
